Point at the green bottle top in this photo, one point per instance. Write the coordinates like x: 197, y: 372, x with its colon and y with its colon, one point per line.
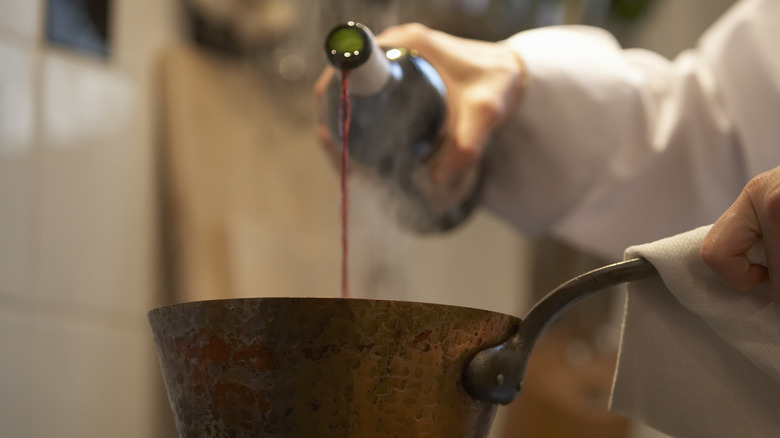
x: 348, y: 45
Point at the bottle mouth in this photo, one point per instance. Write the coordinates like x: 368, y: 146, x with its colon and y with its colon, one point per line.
x: 348, y: 45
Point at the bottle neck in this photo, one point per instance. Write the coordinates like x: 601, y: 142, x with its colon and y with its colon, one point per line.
x: 353, y: 47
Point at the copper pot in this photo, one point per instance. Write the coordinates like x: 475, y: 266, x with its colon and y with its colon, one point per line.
x: 329, y: 367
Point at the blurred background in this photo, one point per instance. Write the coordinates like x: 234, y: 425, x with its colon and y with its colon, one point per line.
x: 154, y: 151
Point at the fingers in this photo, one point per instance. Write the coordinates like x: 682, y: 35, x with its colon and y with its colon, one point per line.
x: 456, y: 161
x: 725, y: 246
x: 769, y: 216
x: 482, y: 81
x: 319, y: 89
x: 330, y: 148
x: 474, y: 117
x: 754, y: 216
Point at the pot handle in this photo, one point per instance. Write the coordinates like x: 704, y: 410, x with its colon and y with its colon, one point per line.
x: 496, y: 374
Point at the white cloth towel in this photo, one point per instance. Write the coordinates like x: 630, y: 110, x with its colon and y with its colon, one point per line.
x: 697, y: 359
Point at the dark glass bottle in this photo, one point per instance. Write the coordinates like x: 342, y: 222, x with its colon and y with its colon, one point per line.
x: 397, y: 125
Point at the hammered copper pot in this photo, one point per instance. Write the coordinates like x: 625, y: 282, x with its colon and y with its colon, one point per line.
x: 328, y: 367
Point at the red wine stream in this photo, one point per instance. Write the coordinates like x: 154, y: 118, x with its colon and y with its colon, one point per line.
x: 344, y: 120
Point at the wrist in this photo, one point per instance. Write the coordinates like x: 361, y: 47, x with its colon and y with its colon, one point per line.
x: 519, y: 83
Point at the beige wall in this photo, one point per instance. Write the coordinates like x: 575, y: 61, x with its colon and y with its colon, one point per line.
x: 77, y: 229
x: 675, y: 25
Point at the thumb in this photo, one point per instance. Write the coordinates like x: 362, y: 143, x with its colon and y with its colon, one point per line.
x: 725, y: 247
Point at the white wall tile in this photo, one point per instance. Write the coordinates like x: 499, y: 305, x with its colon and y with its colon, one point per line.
x: 17, y: 73
x: 94, y: 243
x: 21, y: 17
x: 89, y: 379
x: 17, y: 81
x: 85, y: 102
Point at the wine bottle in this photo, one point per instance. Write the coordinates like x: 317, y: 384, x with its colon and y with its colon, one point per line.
x: 398, y: 115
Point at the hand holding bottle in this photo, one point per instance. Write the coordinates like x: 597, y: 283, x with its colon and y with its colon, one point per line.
x: 420, y: 130
x: 484, y: 82
x: 754, y: 216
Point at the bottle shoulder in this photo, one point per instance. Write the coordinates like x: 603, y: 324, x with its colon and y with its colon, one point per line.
x: 409, y: 74
x: 429, y: 72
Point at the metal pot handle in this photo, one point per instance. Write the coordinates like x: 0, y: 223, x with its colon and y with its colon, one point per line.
x: 496, y: 374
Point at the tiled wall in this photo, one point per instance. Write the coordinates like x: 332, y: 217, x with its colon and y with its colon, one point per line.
x: 78, y: 264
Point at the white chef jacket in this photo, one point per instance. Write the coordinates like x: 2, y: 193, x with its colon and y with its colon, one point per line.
x: 611, y: 147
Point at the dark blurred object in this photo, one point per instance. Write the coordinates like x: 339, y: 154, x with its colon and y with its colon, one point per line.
x: 499, y: 19
x: 281, y: 39
x: 630, y: 9
x: 239, y: 27
x: 243, y: 26
x: 82, y: 25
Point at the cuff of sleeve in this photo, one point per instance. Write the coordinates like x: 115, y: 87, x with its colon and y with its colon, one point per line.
x: 557, y: 142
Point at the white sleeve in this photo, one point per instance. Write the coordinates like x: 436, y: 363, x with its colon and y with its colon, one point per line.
x: 612, y: 147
